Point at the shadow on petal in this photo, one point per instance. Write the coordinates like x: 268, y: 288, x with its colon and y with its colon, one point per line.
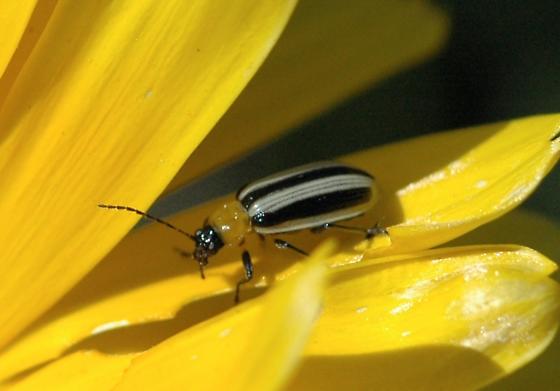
x: 141, y: 337
x: 120, y: 339
x: 443, y: 367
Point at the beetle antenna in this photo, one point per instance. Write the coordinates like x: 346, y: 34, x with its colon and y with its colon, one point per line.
x: 148, y: 216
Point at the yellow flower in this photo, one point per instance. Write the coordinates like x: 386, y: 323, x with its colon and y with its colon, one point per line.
x: 103, y: 101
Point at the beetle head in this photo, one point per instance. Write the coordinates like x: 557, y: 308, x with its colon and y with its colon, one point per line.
x: 207, y: 243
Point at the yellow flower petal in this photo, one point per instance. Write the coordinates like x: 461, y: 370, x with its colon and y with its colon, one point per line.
x: 530, y: 229
x: 82, y: 371
x: 111, y: 100
x: 163, y: 282
x: 82, y: 313
x: 14, y: 16
x: 253, y: 347
x: 487, y: 171
x: 443, y: 319
x: 326, y: 54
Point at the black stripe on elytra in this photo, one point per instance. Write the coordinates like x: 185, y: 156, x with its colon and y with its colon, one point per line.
x: 314, y: 206
x: 296, y: 179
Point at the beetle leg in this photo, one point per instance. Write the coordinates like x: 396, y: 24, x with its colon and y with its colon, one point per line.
x: 187, y: 254
x: 376, y: 230
x: 368, y: 232
x: 201, y: 268
x: 248, y: 266
x: 282, y: 244
x: 319, y: 229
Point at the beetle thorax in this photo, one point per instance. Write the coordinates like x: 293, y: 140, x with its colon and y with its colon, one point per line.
x: 231, y: 222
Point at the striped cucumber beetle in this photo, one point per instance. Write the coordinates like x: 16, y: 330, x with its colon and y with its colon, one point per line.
x: 315, y: 196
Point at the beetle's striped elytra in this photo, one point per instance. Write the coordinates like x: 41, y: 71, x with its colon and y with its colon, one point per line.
x: 314, y: 196
x: 307, y: 197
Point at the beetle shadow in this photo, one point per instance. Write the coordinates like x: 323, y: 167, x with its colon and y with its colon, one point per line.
x: 138, y: 338
x: 141, y: 337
